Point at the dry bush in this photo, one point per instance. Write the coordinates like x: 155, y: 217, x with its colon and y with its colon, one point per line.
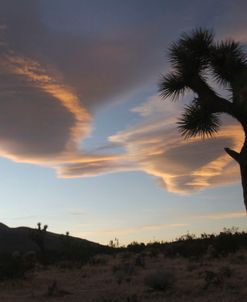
x: 123, y: 272
x: 160, y: 280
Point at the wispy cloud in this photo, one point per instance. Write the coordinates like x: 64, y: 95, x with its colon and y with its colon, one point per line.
x: 35, y: 76
x: 181, y: 166
x: 133, y: 230
x: 77, y: 212
x: 24, y: 217
x: 52, y: 81
x: 222, y: 216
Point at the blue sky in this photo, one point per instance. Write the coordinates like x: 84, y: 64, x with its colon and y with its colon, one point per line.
x: 87, y: 145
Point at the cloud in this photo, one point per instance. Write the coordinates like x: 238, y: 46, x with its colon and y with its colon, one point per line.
x: 80, y: 59
x: 134, y: 229
x: 154, y: 146
x: 95, y: 167
x: 53, y: 80
x: 44, y: 117
x: 221, y: 216
x: 77, y: 212
x: 181, y: 166
x: 56, y: 75
x: 157, y: 107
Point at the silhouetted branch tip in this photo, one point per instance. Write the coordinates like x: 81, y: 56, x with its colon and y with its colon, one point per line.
x: 235, y: 155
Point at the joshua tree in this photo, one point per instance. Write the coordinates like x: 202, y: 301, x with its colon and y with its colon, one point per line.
x: 194, y: 58
x: 38, y: 236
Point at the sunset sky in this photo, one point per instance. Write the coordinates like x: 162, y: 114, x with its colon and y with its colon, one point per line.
x: 86, y: 143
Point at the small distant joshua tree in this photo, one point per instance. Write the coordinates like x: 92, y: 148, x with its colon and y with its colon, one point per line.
x: 195, y: 57
x: 38, y: 236
x: 66, y: 242
x: 114, y: 243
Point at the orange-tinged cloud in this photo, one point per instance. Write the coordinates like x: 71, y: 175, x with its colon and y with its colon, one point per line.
x: 133, y: 230
x: 49, y: 108
x: 153, y: 146
x: 71, y: 161
x: 95, y: 167
x: 221, y: 216
x: 71, y: 155
x: 40, y: 77
x: 182, y: 166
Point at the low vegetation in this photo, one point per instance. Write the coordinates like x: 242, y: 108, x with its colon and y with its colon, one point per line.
x: 203, y: 268
x: 161, y: 280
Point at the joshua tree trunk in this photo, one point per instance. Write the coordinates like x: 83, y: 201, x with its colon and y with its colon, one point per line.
x: 241, y: 158
x: 243, y: 169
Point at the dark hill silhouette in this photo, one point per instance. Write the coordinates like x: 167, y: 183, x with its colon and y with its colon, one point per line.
x: 19, y: 239
x: 3, y: 227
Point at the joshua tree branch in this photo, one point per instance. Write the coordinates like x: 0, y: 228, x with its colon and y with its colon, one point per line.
x: 235, y: 155
x: 210, y: 99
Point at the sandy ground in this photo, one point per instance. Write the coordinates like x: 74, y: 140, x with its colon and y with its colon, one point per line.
x: 122, y: 278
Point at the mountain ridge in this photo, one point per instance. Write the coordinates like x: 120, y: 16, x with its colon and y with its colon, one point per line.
x: 20, y: 239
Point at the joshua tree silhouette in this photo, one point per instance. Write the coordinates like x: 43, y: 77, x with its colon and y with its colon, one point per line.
x: 38, y: 236
x: 194, y: 57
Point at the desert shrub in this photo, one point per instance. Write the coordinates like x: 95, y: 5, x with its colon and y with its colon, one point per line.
x: 126, y: 255
x: 211, y: 252
x: 216, y: 278
x: 226, y: 272
x: 136, y: 247
x: 78, y: 254
x: 140, y: 261
x: 123, y: 272
x: 98, y: 260
x: 125, y: 267
x: 212, y: 279
x: 238, y: 258
x: 14, y: 266
x: 228, y: 241
x: 152, y: 251
x: 109, y: 299
x: 186, y: 248
x: 29, y: 258
x: 66, y: 265
x: 53, y: 290
x: 192, y: 267
x: 160, y: 280
x: 132, y: 298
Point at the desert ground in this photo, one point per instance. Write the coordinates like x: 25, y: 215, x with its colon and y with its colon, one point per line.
x: 130, y: 277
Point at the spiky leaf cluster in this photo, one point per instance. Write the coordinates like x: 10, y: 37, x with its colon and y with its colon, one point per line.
x: 196, y: 120
x: 190, y: 54
x: 229, y: 66
x: 228, y: 61
x: 172, y: 85
x: 192, y: 58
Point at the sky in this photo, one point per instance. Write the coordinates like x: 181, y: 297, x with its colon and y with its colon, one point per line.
x: 86, y: 143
